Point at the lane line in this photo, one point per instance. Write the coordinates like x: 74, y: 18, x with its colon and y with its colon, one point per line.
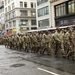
x: 47, y: 71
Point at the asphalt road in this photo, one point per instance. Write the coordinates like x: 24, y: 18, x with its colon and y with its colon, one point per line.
x: 14, y: 62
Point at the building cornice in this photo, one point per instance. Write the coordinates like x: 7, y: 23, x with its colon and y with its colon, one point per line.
x: 28, y: 17
x: 20, y: 9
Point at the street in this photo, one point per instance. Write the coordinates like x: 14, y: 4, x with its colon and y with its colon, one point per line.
x: 14, y: 62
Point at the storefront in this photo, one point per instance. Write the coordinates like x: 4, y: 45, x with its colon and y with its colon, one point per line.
x: 65, y: 13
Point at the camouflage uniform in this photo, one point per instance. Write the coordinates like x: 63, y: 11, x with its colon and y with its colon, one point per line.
x: 57, y: 40
x: 20, y: 43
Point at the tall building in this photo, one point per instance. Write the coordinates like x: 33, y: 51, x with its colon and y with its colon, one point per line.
x: 43, y: 14
x: 62, y: 12
x: 20, y: 15
x: 2, y: 20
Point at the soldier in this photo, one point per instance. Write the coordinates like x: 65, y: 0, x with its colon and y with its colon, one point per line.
x: 11, y: 42
x: 35, y: 42
x: 57, y: 36
x: 70, y: 51
x: 62, y: 40
x: 43, y: 43
x: 38, y: 42
x: 64, y: 45
x: 50, y: 37
x: 20, y: 42
x: 5, y: 41
x: 46, y: 42
x: 17, y: 41
x: 24, y: 41
x: 39, y: 38
x: 27, y: 42
x: 74, y: 42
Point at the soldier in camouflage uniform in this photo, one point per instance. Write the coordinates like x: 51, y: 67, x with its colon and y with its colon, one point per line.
x: 43, y: 43
x: 17, y: 41
x: 74, y: 42
x: 5, y: 41
x: 27, y: 43
x: 57, y: 39
x: 20, y: 42
x: 70, y: 51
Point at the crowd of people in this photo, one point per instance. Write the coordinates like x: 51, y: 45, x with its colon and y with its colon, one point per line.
x: 59, y: 42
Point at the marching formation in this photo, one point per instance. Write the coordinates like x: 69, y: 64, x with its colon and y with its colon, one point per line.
x: 59, y: 42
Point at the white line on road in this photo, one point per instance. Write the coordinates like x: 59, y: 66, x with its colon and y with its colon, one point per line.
x: 47, y: 71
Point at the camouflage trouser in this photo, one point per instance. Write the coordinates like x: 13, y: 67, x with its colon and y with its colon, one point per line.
x: 58, y: 48
x: 20, y: 46
x: 37, y: 47
x: 5, y: 43
x: 33, y: 47
x: 74, y: 55
x: 17, y: 45
x: 24, y: 45
x: 47, y: 48
x: 14, y: 45
x: 27, y: 47
x: 10, y: 45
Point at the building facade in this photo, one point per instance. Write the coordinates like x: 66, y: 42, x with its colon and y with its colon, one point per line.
x: 43, y: 14
x: 20, y: 15
x: 63, y: 12
x: 2, y: 20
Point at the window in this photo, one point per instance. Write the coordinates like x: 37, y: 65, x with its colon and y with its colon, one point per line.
x: 31, y: 4
x: 25, y: 4
x: 9, y: 15
x: 5, y: 17
x: 14, y: 23
x: 8, y: 1
x: 60, y: 10
x: 10, y: 25
x: 9, y: 8
x: 24, y: 13
x: 5, y: 2
x: 71, y: 7
x: 33, y: 13
x: 13, y: 14
x: 5, y: 9
x: 67, y: 10
x: 24, y: 22
x: 34, y: 5
x: 33, y: 22
x: 6, y: 25
x: 41, y: 1
x: 43, y: 11
x: 33, y: 28
x: 13, y: 6
x: 21, y: 4
x: 43, y: 23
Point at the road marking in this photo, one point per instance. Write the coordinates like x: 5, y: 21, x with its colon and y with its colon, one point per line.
x: 47, y: 71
